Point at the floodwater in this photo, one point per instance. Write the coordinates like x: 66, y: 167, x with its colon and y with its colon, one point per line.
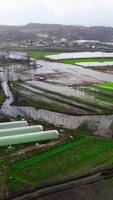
x: 14, y: 55
x: 20, y: 72
x: 58, y: 88
x: 58, y: 119
x: 67, y: 74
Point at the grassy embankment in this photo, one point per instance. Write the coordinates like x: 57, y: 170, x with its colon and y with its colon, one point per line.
x: 80, y: 60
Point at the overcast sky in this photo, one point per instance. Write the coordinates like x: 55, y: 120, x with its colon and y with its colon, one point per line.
x: 77, y: 12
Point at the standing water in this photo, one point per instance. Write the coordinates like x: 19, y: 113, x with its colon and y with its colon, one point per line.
x: 58, y: 119
x: 6, y: 107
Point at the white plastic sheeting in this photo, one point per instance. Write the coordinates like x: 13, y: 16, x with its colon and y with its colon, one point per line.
x: 15, y: 124
x: 75, y: 55
x: 20, y: 131
x: 30, y: 137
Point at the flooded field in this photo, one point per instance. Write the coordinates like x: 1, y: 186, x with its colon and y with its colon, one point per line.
x: 56, y: 88
x: 77, y: 101
x: 14, y: 55
x: 67, y: 74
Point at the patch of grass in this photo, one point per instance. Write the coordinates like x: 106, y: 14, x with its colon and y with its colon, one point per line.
x: 104, y: 98
x: 93, y: 104
x: 102, y: 91
x: 105, y: 84
x: 48, y: 153
x: 41, y: 54
x: 80, y: 60
x: 74, y: 158
x: 2, y: 96
x: 2, y: 99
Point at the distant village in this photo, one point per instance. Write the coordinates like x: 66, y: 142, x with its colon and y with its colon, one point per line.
x: 45, y: 41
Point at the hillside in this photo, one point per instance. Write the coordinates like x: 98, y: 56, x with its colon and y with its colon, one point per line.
x: 32, y: 31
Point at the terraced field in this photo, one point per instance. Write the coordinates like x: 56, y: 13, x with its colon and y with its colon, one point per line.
x: 101, y: 91
x: 82, y: 153
x: 76, y: 101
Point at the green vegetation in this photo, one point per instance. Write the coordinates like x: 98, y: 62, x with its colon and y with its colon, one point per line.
x: 106, y: 84
x: 81, y: 156
x: 41, y: 54
x: 2, y: 96
x: 104, y: 98
x: 80, y: 60
x: 101, y: 92
x: 2, y: 99
x: 47, y: 154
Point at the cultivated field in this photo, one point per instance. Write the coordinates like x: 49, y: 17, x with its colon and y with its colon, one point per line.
x: 79, y: 102
x: 41, y: 54
x: 80, y: 156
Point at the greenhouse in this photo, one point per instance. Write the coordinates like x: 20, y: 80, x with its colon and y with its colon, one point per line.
x: 12, y: 133
x: 18, y: 131
x: 15, y: 124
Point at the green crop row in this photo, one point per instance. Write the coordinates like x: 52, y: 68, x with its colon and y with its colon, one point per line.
x: 75, y: 158
x: 80, y: 60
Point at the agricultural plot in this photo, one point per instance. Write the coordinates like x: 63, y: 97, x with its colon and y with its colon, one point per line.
x: 41, y: 54
x: 79, y: 152
x: 106, y: 85
x: 66, y: 74
x: 99, y: 61
x: 76, y: 101
x: 81, y: 156
x: 89, y: 61
x: 101, y: 91
x: 106, y: 66
x: 13, y: 141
